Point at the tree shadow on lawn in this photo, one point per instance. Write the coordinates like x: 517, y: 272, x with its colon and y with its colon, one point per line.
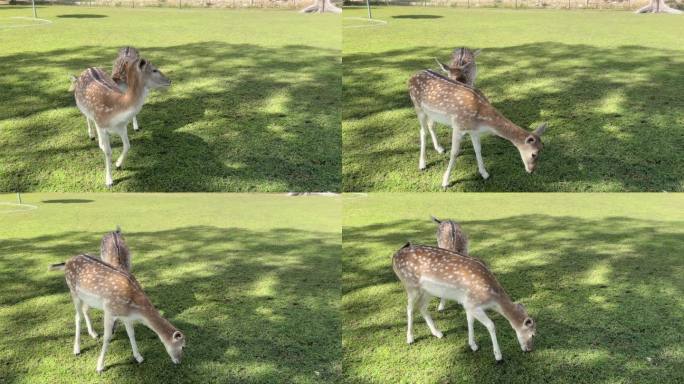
x: 613, y: 114
x: 604, y: 294
x: 237, y: 117
x: 255, y: 306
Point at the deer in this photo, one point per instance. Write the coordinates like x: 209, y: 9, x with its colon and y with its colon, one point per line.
x: 462, y: 66
x: 466, y: 110
x: 427, y: 272
x: 450, y: 236
x: 101, y: 100
x: 99, y: 285
x: 114, y: 251
x: 124, y: 55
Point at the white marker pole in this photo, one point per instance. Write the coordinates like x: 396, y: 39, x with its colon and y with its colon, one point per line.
x: 369, y: 11
x: 33, y: 2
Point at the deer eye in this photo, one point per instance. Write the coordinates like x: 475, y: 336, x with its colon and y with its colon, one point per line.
x: 534, y: 155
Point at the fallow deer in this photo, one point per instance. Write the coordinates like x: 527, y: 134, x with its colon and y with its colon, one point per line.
x: 97, y: 284
x: 114, y: 251
x: 427, y: 272
x: 466, y: 110
x: 462, y: 66
x: 126, y: 54
x: 100, y: 100
x: 450, y: 236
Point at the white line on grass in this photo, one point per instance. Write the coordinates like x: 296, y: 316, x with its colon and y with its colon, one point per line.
x: 27, y: 207
x: 39, y: 23
x: 372, y: 22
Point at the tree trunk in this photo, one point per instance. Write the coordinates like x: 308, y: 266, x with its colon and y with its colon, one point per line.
x: 321, y: 6
x: 657, y: 6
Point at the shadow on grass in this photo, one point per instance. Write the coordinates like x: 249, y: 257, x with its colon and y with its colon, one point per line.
x: 238, y: 117
x: 82, y: 16
x: 254, y: 306
x: 417, y: 17
x: 597, y: 289
x: 599, y: 102
x: 67, y: 201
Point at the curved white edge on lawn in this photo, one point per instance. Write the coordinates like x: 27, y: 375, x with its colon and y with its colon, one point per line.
x: 39, y: 22
x: 26, y: 207
x: 373, y: 22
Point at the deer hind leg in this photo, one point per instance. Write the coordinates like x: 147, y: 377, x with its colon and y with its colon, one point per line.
x: 422, y: 118
x: 475, y: 138
x: 89, y: 325
x: 413, y: 295
x: 424, y: 301
x: 107, y: 149
x: 77, y: 339
x: 435, y: 143
x: 108, y: 330
x: 455, y: 148
x: 135, y: 124
x: 442, y: 304
x: 126, y: 146
x: 91, y: 130
x: 134, y: 346
x: 471, y: 332
x: 482, y: 317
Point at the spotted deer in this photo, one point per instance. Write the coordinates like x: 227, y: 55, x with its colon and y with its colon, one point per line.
x: 125, y: 54
x: 450, y: 236
x: 427, y: 272
x: 467, y: 111
x: 99, y: 285
x: 462, y: 66
x: 99, y: 98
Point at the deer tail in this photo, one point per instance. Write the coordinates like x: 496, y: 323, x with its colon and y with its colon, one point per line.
x: 72, y: 79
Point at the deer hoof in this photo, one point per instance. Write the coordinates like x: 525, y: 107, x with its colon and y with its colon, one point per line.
x: 499, y: 361
x: 474, y: 347
x: 439, y: 150
x: 485, y: 175
x: 92, y: 139
x: 438, y: 334
x: 138, y: 358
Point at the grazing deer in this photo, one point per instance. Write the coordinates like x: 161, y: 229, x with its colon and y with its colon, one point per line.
x: 97, y: 284
x: 429, y: 271
x: 440, y: 99
x: 462, y: 67
x: 114, y: 251
x: 450, y: 236
x: 100, y: 100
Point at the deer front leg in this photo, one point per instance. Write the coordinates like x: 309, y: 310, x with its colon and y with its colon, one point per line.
x: 471, y: 332
x: 435, y: 143
x: 91, y: 332
x: 423, y: 122
x: 482, y: 317
x: 107, y: 149
x: 475, y: 138
x: 455, y: 147
x: 134, y: 345
x: 135, y: 124
x: 442, y: 304
x: 108, y: 330
x: 126, y: 146
x: 424, y: 301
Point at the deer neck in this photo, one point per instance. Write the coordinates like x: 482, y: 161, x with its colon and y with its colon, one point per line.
x: 153, y: 320
x: 509, y: 131
x: 135, y: 91
x: 508, y: 309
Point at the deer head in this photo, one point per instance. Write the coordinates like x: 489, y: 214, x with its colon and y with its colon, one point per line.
x: 148, y: 75
x: 531, y: 147
x: 526, y: 330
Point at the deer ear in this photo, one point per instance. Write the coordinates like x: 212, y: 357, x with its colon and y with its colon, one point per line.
x: 540, y: 129
x: 477, y: 52
x: 442, y: 66
x: 142, y: 63
x: 177, y: 335
x: 530, y: 139
x: 436, y: 220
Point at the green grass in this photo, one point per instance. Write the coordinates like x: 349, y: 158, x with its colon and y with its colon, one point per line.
x: 600, y: 273
x: 254, y: 105
x: 251, y: 280
x: 608, y: 83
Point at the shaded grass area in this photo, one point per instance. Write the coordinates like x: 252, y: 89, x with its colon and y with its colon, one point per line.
x: 253, y: 286
x: 254, y: 104
x: 600, y: 274
x: 609, y: 91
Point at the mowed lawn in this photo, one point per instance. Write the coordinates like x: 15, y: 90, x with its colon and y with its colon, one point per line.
x: 253, y: 281
x: 601, y: 274
x: 254, y: 103
x: 608, y: 88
